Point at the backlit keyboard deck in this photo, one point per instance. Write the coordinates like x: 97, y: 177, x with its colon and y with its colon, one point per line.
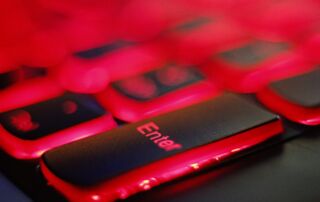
x: 100, y: 100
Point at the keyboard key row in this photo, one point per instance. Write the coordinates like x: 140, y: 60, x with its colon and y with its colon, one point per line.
x: 34, y: 127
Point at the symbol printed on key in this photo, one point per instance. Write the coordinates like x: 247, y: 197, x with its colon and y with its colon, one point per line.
x: 22, y: 121
x: 70, y: 107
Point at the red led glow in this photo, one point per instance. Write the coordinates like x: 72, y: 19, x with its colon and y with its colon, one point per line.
x: 139, y: 86
x: 22, y: 121
x: 70, y: 107
x: 255, y: 77
x: 294, y: 112
x: 132, y: 110
x: 165, y: 170
x: 26, y: 149
x: 93, y: 75
x: 199, y: 44
x: 34, y: 91
x: 28, y: 92
x: 173, y: 75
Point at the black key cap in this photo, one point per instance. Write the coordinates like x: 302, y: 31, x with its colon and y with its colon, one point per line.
x: 140, y: 155
x: 38, y: 120
x: 32, y: 125
x: 296, y: 98
x: 7, y: 79
x: 159, y: 91
x: 253, y: 53
x: 164, y: 80
x: 302, y: 90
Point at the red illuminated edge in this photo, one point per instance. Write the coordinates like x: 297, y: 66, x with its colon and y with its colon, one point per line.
x: 252, y: 79
x: 131, y: 110
x: 161, y: 171
x: 292, y: 111
x: 31, y: 149
x: 34, y: 91
x: 28, y: 92
x: 93, y: 75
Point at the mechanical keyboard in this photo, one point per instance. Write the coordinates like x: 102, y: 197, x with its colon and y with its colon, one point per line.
x: 108, y: 100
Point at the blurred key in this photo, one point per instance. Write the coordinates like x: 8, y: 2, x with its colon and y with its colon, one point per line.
x: 155, y: 92
x: 142, y: 155
x: 30, y: 130
x: 195, y: 40
x: 252, y: 63
x: 89, y: 75
x: 296, y: 98
x: 10, y: 78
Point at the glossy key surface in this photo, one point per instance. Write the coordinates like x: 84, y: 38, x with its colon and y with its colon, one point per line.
x: 164, y: 89
x: 139, y: 145
x: 296, y: 98
x: 41, y: 119
x: 302, y: 90
x: 26, y: 132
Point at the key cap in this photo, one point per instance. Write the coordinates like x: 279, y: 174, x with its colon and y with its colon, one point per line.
x: 155, y: 92
x: 296, y: 98
x: 10, y: 78
x: 203, y: 35
x: 28, y: 131
x: 138, y: 156
x: 91, y: 75
x: 253, y: 63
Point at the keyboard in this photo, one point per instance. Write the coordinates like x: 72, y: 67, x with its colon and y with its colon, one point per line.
x: 109, y: 100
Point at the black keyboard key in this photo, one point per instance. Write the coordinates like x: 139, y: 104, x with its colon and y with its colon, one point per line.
x: 37, y: 125
x: 253, y: 53
x: 164, y: 80
x: 256, y: 63
x: 162, y: 90
x: 296, y: 98
x: 138, y: 156
x: 302, y: 90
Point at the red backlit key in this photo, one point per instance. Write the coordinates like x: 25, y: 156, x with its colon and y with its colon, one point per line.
x: 253, y: 63
x: 119, y: 60
x: 164, y: 89
x: 296, y: 98
x: 10, y: 78
x: 142, y: 155
x: 30, y: 130
x: 196, y: 40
